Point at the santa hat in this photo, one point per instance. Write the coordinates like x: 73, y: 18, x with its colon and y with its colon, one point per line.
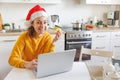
x: 36, y: 11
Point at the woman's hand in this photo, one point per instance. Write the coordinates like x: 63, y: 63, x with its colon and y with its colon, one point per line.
x: 57, y: 36
x: 31, y: 64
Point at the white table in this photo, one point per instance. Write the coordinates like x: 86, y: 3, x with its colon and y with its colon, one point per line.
x: 78, y: 72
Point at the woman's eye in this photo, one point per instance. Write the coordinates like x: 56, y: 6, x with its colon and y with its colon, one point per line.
x: 45, y: 22
x: 38, y: 22
x: 41, y: 22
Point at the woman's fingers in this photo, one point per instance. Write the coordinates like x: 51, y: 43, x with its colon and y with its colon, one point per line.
x: 57, y: 36
x: 31, y: 64
x: 34, y: 62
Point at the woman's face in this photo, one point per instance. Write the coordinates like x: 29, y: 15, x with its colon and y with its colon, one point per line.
x: 40, y: 24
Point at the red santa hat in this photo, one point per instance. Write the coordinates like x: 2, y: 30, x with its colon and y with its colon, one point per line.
x: 36, y: 11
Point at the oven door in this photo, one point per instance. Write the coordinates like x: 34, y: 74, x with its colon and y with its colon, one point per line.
x: 77, y: 45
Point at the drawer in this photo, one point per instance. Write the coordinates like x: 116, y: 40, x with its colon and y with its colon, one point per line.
x: 101, y: 45
x: 8, y: 38
x: 101, y: 35
x: 115, y: 35
x: 115, y: 45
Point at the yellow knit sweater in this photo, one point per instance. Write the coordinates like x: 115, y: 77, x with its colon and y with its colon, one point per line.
x: 28, y: 48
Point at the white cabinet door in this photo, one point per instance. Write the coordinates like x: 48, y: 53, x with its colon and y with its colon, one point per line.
x: 115, y: 35
x: 108, y: 2
x: 6, y: 45
x: 115, y: 42
x: 60, y: 43
x: 101, y: 41
x: 98, y: 1
x: 107, y: 41
x: 32, y: 1
x: 116, y: 2
x: 92, y: 1
x: 10, y: 1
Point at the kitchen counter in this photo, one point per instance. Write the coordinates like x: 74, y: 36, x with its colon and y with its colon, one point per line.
x: 51, y: 31
x: 70, y: 29
x: 106, y: 29
x: 79, y: 71
x: 10, y: 34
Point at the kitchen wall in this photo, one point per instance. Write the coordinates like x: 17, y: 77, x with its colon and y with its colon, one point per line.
x: 69, y: 11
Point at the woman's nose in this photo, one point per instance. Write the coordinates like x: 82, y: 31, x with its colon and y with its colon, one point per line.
x: 42, y: 25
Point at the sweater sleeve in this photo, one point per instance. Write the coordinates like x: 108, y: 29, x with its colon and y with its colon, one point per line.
x: 15, y: 58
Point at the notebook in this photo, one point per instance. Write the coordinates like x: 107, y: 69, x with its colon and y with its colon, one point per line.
x: 55, y: 63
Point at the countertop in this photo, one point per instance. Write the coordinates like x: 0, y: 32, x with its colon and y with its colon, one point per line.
x: 106, y: 29
x: 10, y: 34
x: 79, y: 71
x: 51, y: 31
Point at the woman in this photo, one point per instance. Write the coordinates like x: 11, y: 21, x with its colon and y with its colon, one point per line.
x: 34, y: 41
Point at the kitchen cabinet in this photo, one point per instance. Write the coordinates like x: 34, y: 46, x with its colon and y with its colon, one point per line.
x: 101, y: 41
x: 116, y: 2
x: 115, y: 43
x: 106, y: 2
x: 60, y: 46
x: 109, y: 41
x: 31, y: 1
x: 6, y: 45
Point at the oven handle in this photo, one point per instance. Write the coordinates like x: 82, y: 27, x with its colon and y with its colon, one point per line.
x: 78, y: 42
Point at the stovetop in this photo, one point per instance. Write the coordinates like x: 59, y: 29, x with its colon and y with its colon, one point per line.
x: 67, y: 29
x: 71, y: 29
x: 77, y: 34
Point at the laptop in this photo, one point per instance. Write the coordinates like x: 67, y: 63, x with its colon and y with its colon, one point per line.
x: 55, y: 63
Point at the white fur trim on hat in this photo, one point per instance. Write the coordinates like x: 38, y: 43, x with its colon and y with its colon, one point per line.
x: 37, y: 14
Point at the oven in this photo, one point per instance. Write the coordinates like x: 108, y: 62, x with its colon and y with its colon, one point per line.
x: 76, y: 39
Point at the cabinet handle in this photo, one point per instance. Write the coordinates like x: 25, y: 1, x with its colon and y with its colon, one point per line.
x: 117, y: 35
x: 117, y: 46
x: 79, y: 42
x: 8, y: 40
x: 100, y: 36
x: 100, y: 47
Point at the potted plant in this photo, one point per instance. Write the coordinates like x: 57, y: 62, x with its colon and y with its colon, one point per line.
x: 100, y: 24
x: 6, y: 26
